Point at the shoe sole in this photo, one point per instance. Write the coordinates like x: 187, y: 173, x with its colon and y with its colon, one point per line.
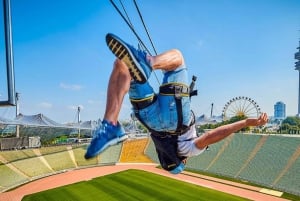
x: 120, y: 50
x: 109, y: 143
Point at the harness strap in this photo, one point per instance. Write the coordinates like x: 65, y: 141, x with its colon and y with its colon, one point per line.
x: 178, y: 90
x: 192, y: 85
x: 164, y: 134
x: 180, y: 125
x: 139, y: 104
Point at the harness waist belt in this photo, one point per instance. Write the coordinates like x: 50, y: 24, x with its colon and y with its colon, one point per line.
x: 177, y: 89
x: 141, y: 104
x: 163, y: 134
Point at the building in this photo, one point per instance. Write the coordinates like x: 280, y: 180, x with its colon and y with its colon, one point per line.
x: 297, y: 67
x: 279, y: 111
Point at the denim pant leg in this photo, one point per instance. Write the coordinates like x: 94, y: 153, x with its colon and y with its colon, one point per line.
x: 140, y: 91
x: 169, y: 110
x: 162, y: 114
x: 151, y: 114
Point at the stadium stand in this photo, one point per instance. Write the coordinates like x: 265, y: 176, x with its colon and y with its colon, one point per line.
x: 235, y: 155
x: 14, y: 155
x: 253, y: 153
x: 111, y: 154
x: 133, y: 151
x: 32, y: 167
x: 79, y: 152
x: 52, y: 149
x: 289, y: 182
x: 151, y: 152
x: 224, y: 146
x: 269, y: 160
x: 10, y: 178
x: 60, y: 161
x: 205, y: 160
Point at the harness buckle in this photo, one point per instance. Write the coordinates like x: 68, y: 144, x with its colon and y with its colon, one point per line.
x: 178, y: 91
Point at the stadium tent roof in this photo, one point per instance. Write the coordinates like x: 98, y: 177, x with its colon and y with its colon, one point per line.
x: 4, y: 122
x: 36, y: 120
x: 40, y: 120
x: 83, y: 125
x: 88, y: 124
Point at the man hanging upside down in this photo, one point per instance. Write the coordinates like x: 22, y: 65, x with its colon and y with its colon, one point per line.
x: 166, y: 114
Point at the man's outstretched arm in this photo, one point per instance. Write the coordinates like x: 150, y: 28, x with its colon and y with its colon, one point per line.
x: 222, y: 132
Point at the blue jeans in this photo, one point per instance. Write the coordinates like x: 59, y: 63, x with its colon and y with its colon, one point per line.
x: 162, y: 114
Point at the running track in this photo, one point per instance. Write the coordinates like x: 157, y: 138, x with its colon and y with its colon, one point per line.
x: 86, y: 174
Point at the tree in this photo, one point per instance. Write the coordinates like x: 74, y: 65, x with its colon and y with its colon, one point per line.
x: 290, y: 125
x: 293, y: 121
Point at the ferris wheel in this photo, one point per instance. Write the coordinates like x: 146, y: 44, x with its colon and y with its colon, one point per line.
x: 239, y: 106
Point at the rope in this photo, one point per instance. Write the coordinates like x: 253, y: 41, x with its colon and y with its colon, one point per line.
x: 141, y: 17
x: 140, y: 46
x: 127, y: 16
x: 130, y: 26
x: 128, y: 22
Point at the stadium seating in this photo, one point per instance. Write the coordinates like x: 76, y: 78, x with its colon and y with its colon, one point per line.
x: 14, y: 155
x: 10, y: 178
x: 133, y: 151
x: 60, y: 161
x: 52, y: 149
x: 79, y: 152
x: 260, y: 159
x: 111, y: 154
x: 289, y: 182
x: 32, y: 167
x: 269, y: 160
x: 235, y: 155
x: 151, y: 152
x: 206, y: 159
x: 272, y: 161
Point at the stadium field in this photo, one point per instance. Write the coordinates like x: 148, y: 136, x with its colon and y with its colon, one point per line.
x: 131, y: 185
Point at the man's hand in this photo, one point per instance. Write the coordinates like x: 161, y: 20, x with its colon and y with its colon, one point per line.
x: 261, y: 120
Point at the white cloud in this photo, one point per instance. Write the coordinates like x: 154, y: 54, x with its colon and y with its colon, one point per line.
x: 92, y: 102
x: 45, y: 105
x: 73, y: 87
x: 75, y: 107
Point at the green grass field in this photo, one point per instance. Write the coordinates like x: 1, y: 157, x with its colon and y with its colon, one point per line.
x: 130, y: 185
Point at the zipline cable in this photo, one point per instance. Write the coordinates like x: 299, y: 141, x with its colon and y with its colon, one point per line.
x: 130, y: 26
x: 128, y: 22
x: 145, y: 27
x: 127, y: 16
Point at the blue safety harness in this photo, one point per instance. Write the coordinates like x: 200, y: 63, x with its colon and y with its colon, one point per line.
x: 166, y: 141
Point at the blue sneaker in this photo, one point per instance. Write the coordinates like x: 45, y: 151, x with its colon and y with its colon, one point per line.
x: 104, y: 136
x: 178, y: 169
x: 135, y: 59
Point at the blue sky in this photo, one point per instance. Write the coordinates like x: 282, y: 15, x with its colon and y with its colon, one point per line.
x: 234, y: 47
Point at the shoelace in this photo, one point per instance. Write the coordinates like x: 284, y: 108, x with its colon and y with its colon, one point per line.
x: 100, y: 130
x: 139, y: 52
x: 143, y: 54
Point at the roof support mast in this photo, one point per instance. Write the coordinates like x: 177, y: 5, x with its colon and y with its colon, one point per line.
x: 11, y: 99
